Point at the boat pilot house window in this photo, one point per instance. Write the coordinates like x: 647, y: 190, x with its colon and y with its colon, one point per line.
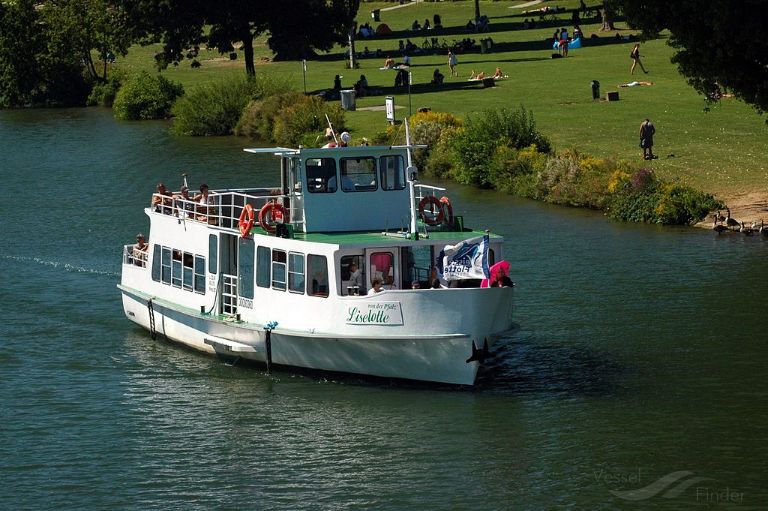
x: 179, y: 269
x: 321, y: 175
x: 358, y: 174
x: 392, y: 172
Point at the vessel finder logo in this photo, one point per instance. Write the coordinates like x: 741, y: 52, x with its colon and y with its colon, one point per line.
x: 669, y: 486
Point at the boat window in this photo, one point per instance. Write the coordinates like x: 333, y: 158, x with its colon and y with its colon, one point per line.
x: 166, y: 265
x: 491, y: 257
x: 381, y: 267
x: 245, y: 268
x: 263, y: 265
x: 278, y: 270
x: 213, y: 253
x: 295, y: 174
x: 392, y: 172
x: 188, y: 260
x: 156, y: 263
x: 321, y: 175
x: 416, y: 265
x: 296, y: 272
x: 176, y: 269
x: 199, y: 274
x: 317, y: 271
x: 358, y: 174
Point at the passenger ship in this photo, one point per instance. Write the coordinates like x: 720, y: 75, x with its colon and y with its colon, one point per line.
x: 265, y: 274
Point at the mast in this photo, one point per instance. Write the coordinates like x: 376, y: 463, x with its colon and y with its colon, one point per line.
x: 412, y: 176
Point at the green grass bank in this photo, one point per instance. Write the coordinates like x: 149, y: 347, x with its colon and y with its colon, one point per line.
x: 722, y: 151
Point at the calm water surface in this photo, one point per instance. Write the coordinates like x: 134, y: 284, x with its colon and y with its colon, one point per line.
x: 641, y: 354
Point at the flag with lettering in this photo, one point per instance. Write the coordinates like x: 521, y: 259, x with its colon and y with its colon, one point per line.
x: 465, y: 260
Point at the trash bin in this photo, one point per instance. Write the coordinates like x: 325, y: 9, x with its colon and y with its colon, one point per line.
x: 348, y: 99
x: 376, y: 15
x: 484, y: 46
x: 595, y: 89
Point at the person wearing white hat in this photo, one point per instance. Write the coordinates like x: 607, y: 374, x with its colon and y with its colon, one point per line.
x: 344, y: 139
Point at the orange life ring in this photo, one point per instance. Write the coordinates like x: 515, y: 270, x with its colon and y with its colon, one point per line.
x: 246, y: 220
x: 272, y: 213
x: 446, y: 204
x: 434, y: 204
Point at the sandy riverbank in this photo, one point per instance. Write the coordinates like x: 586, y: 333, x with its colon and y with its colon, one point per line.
x: 745, y: 207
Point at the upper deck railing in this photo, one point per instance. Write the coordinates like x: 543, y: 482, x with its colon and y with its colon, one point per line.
x: 223, y: 208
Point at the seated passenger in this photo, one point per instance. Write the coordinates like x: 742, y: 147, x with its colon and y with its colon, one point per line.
x: 206, y: 201
x: 375, y: 287
x: 161, y: 200
x: 183, y: 203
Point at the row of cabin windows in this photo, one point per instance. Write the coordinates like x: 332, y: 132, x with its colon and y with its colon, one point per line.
x: 178, y: 269
x: 357, y: 174
x: 281, y: 270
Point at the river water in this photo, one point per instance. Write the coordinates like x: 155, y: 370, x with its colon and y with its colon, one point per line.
x: 637, y: 378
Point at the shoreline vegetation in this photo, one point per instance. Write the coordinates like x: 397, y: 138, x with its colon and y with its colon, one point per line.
x: 579, y: 151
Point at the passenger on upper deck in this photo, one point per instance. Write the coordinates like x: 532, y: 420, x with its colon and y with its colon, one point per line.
x: 161, y: 199
x: 206, y: 201
x: 183, y: 203
x: 140, y: 251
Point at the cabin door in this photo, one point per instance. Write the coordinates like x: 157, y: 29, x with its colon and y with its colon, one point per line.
x: 228, y: 291
x: 382, y: 264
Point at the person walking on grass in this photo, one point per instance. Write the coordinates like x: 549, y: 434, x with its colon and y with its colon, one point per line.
x: 635, y: 56
x: 452, y: 61
x: 647, y: 130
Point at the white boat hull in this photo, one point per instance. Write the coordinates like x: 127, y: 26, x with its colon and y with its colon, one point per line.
x: 432, y: 358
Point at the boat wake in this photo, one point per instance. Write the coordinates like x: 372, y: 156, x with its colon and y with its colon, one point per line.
x: 57, y: 264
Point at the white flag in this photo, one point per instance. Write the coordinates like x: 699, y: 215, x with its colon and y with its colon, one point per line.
x: 465, y: 260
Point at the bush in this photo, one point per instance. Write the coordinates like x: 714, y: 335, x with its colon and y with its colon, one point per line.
x: 427, y: 128
x: 290, y: 118
x: 642, y: 198
x: 144, y: 96
x: 475, y: 145
x: 215, y: 108
x: 104, y: 93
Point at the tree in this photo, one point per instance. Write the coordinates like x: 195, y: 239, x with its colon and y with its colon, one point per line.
x: 719, y: 43
x: 46, y: 49
x: 296, y: 27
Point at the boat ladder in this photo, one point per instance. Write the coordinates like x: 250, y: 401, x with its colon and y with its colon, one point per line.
x: 151, y: 310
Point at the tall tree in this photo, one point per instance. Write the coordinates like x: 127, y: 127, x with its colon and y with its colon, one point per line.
x: 719, y: 43
x: 296, y: 27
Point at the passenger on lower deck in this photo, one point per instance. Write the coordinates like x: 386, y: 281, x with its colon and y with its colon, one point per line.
x: 139, y: 252
x: 375, y: 287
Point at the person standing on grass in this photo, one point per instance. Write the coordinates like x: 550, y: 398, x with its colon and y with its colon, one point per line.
x: 647, y: 130
x: 635, y: 56
x: 452, y: 61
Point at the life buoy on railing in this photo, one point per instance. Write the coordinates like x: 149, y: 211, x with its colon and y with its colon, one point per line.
x: 246, y: 220
x: 435, y: 208
x: 271, y: 214
x: 448, y: 209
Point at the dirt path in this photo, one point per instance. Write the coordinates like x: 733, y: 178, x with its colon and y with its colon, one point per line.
x: 745, y: 207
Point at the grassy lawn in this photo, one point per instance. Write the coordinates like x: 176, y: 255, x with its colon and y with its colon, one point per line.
x: 723, y: 151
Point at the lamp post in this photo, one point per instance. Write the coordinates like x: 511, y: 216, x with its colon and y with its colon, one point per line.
x: 410, y: 78
x: 304, y: 73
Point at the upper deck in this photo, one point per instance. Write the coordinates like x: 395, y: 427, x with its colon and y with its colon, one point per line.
x: 335, y: 190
